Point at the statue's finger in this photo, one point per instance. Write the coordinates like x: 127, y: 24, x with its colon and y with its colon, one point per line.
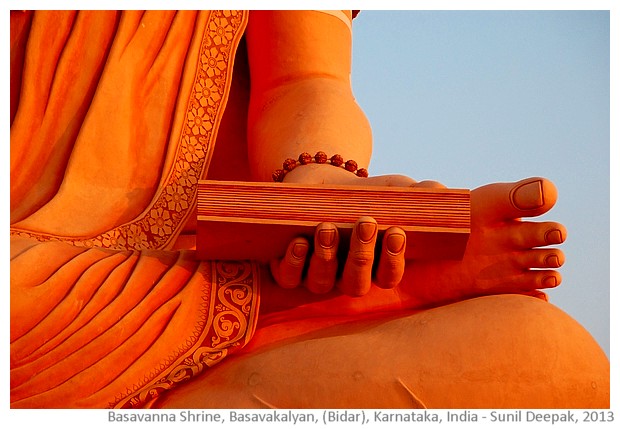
x: 392, y: 258
x: 288, y: 271
x: 357, y: 274
x: 323, y: 263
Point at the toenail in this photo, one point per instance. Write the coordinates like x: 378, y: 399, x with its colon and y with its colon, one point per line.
x: 528, y: 196
x: 552, y: 261
x: 366, y: 231
x: 554, y: 236
x: 550, y: 281
x: 327, y: 237
x: 299, y: 250
x: 395, y: 243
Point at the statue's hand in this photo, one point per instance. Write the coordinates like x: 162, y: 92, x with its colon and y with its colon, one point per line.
x: 357, y: 270
x: 352, y: 275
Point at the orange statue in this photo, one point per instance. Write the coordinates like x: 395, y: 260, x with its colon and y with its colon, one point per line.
x: 114, y: 118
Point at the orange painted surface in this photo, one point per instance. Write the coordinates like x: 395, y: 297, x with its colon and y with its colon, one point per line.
x: 115, y: 117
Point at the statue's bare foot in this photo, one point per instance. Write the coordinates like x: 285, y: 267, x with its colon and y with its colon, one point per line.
x: 504, y: 254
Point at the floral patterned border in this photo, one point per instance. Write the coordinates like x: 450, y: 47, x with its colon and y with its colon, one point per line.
x: 160, y: 223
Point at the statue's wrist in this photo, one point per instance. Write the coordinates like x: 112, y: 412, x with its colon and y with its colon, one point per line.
x: 319, y: 159
x: 319, y: 174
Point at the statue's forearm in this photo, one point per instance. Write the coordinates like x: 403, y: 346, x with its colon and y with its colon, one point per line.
x: 301, y: 99
x: 306, y: 116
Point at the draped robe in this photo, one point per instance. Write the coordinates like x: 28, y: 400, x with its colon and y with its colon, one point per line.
x: 108, y: 306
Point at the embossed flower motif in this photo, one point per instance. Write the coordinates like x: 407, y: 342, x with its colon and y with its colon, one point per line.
x: 207, y: 92
x: 220, y: 31
x: 114, y: 240
x: 176, y: 198
x: 89, y: 243
x: 213, y: 62
x: 185, y: 175
x: 136, y: 238
x: 197, y: 121
x: 160, y: 221
x: 230, y: 13
x: 193, y: 149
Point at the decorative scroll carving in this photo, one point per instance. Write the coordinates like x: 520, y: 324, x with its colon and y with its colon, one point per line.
x: 227, y: 316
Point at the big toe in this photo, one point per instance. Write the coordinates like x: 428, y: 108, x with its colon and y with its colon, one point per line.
x: 525, y: 198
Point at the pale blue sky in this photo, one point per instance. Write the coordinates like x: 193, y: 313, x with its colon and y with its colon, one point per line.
x: 473, y: 97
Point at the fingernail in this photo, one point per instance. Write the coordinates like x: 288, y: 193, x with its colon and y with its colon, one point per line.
x: 366, y: 231
x: 552, y: 261
x: 395, y: 243
x: 553, y: 236
x: 550, y: 281
x: 327, y: 237
x: 299, y: 250
x: 528, y: 196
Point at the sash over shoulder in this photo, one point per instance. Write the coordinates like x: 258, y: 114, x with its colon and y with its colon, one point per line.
x: 161, y: 222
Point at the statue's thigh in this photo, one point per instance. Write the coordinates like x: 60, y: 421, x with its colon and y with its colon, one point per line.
x: 494, y: 352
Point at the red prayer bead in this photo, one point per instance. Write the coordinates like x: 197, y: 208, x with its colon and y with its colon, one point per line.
x: 289, y: 164
x: 320, y: 157
x: 278, y: 175
x: 336, y: 160
x: 351, y: 166
x: 305, y: 158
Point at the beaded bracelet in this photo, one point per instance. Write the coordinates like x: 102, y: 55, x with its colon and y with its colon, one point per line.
x: 320, y: 158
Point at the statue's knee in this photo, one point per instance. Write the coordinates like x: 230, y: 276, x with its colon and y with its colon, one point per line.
x: 532, y: 324
x: 549, y: 350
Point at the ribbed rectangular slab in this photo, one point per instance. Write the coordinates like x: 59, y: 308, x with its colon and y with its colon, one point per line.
x: 257, y: 220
